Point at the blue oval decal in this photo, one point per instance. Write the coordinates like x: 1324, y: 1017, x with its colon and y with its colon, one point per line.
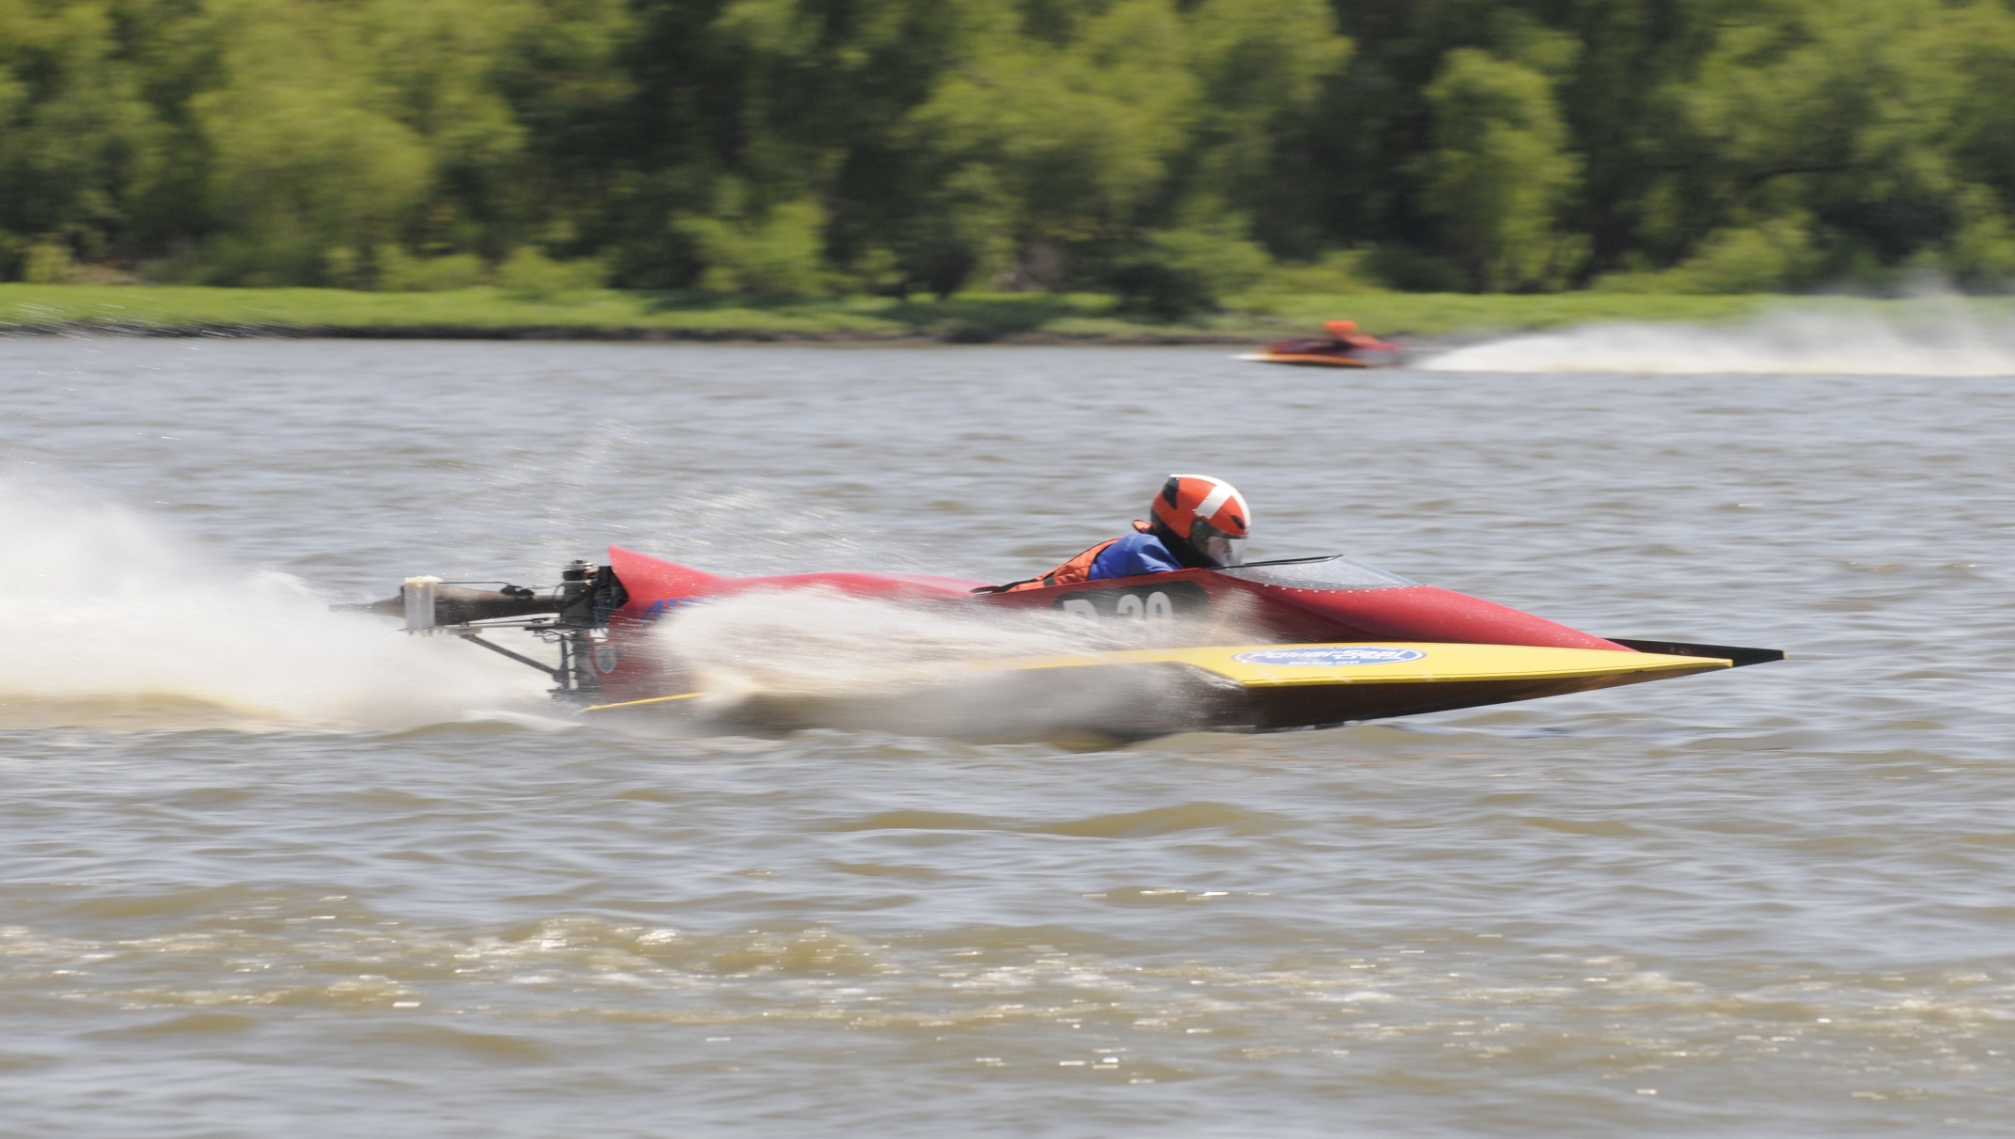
x: 1329, y: 655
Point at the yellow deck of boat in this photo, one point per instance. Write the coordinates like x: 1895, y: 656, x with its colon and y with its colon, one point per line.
x: 1313, y: 684
x: 1389, y: 662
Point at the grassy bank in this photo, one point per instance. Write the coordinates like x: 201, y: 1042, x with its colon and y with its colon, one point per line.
x: 970, y: 318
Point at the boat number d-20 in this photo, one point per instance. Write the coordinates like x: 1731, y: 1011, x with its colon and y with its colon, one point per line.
x: 1163, y: 602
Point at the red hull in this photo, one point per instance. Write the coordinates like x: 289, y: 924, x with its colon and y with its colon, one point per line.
x: 1322, y: 600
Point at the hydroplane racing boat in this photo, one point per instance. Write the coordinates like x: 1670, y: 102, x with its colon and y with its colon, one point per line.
x: 1266, y: 646
x: 1343, y: 347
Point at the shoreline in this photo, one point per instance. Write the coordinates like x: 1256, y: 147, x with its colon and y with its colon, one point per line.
x: 1077, y: 320
x: 565, y: 333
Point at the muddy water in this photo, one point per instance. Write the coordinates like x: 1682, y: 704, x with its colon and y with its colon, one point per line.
x: 272, y: 870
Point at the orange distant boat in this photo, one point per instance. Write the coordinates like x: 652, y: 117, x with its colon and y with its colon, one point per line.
x: 1343, y: 347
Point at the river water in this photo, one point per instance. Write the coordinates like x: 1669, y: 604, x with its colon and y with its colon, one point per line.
x: 267, y: 870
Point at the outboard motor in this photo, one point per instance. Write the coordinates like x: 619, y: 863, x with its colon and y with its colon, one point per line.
x: 573, y: 615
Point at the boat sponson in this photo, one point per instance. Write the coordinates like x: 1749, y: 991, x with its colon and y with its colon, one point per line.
x: 1279, y: 693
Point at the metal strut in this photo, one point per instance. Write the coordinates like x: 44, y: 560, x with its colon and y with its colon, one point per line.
x: 560, y: 675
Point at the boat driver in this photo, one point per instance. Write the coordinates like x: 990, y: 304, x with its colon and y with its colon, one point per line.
x: 1198, y: 522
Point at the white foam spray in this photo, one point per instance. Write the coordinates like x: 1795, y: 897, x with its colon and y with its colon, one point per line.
x: 1921, y: 338
x: 819, y: 658
x: 816, y: 641
x: 109, y: 621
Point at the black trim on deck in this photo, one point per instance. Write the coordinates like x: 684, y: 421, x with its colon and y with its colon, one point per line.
x: 1735, y: 654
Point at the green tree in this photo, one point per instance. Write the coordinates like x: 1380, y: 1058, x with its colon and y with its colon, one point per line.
x: 76, y: 134
x: 305, y: 156
x: 436, y: 68
x: 1260, y: 66
x: 777, y: 251
x: 1879, y: 125
x: 1165, y: 148
x: 1076, y: 138
x: 1500, y: 171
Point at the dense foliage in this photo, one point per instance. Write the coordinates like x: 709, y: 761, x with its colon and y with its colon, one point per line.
x: 1168, y: 150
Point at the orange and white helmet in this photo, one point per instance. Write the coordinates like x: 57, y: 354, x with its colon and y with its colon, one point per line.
x: 1203, y: 520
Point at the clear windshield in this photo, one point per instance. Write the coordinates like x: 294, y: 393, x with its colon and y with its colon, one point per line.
x: 1319, y: 573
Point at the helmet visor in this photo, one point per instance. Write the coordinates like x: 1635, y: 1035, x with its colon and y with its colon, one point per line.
x: 1217, y: 547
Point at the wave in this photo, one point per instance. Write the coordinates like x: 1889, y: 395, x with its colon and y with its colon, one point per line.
x: 113, y: 622
x: 1924, y: 338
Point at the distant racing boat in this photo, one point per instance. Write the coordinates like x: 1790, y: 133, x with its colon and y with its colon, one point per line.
x: 1344, y: 346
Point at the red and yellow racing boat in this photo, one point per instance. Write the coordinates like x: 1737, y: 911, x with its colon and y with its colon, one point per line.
x: 1268, y: 646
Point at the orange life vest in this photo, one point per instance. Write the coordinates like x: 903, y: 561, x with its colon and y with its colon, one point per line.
x: 1073, y: 572
x: 1076, y: 570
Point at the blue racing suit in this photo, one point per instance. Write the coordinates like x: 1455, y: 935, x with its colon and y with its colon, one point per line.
x: 1135, y: 554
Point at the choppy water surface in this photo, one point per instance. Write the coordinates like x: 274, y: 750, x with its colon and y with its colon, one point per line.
x: 271, y: 870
